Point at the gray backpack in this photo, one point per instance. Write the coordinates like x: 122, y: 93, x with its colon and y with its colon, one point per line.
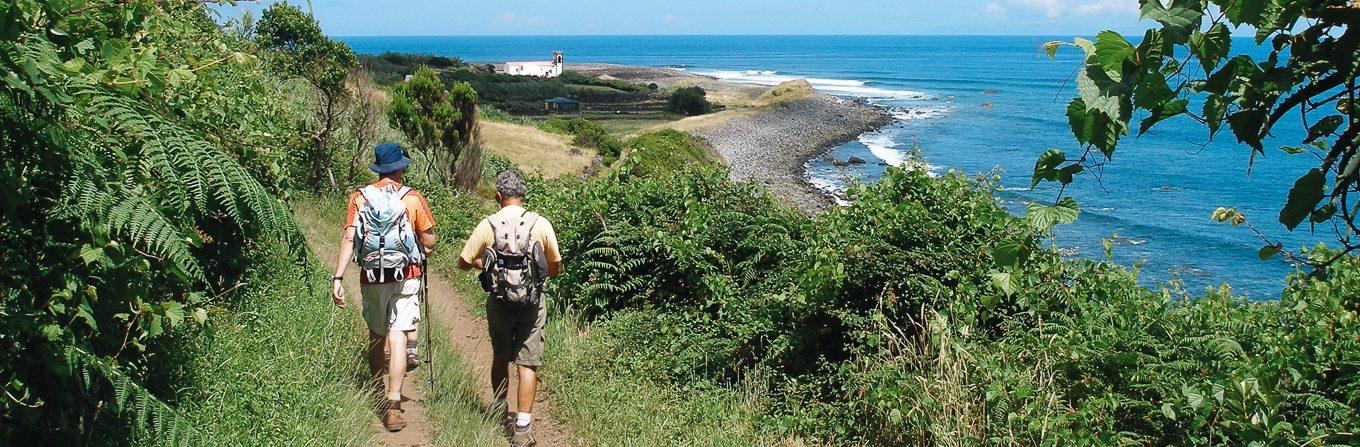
x: 384, y: 241
x: 514, y: 266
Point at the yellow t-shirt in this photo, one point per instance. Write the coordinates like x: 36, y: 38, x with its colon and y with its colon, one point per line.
x: 482, y: 236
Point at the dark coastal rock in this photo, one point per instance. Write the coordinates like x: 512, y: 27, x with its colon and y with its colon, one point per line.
x: 991, y: 91
x: 773, y: 146
x: 986, y: 105
x: 853, y: 160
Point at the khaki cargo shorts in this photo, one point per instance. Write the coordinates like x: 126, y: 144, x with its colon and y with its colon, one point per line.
x: 393, y: 306
x: 516, y: 334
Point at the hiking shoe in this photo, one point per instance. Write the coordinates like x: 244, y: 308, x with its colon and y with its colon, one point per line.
x: 392, y: 419
x: 522, y: 436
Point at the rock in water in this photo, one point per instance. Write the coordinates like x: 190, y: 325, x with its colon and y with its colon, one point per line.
x: 853, y: 160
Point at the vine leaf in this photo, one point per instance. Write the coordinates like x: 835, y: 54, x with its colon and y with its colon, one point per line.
x: 1046, y: 217
x: 1303, y: 198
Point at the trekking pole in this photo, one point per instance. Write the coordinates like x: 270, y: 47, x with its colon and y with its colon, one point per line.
x: 429, y: 325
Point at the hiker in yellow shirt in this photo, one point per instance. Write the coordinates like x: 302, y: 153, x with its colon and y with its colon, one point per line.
x: 516, y: 250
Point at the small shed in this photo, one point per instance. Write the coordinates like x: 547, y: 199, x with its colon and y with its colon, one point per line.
x: 562, y: 105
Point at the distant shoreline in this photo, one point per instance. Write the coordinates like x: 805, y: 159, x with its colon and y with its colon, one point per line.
x: 767, y: 135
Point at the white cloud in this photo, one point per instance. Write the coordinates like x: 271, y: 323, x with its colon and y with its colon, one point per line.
x: 517, y: 19
x: 995, y: 9
x: 1054, y: 9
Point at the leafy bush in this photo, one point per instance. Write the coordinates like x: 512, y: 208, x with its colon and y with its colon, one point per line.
x: 885, y: 322
x: 577, y: 78
x: 668, y: 151
x: 517, y: 95
x: 141, y: 150
x: 392, y: 67
x: 586, y: 134
x: 689, y: 101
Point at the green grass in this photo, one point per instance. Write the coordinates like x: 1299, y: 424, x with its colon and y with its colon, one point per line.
x: 613, y: 406
x: 453, y: 407
x: 281, y: 367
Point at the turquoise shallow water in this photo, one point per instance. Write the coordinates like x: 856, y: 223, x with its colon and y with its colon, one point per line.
x: 987, y: 104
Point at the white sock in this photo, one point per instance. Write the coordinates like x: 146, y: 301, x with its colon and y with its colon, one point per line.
x: 523, y: 419
x: 394, y: 396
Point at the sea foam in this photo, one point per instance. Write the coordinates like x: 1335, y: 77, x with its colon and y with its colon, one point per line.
x: 842, y: 87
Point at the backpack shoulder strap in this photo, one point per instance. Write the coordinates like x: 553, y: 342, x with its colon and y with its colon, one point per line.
x: 527, y: 222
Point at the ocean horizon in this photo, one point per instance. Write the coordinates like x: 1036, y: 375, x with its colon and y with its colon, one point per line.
x: 986, y: 104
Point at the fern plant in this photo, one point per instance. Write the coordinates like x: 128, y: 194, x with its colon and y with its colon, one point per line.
x: 128, y: 214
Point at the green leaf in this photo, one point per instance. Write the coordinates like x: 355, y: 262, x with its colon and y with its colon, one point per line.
x: 1045, y: 217
x: 200, y: 315
x: 1303, y: 198
x: 1009, y: 253
x: 1006, y: 282
x: 1045, y: 168
x: 1211, y: 46
x: 1112, y: 50
x: 1215, y: 107
x: 1269, y: 251
x: 11, y: 23
x: 1192, y: 397
x: 1051, y: 48
x: 1324, y: 127
x: 180, y: 76
x: 174, y: 313
x: 1168, y: 411
x: 1245, y: 11
x: 1178, y: 20
x: 1168, y: 109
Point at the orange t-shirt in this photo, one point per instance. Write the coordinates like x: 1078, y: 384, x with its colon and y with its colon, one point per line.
x: 417, y: 211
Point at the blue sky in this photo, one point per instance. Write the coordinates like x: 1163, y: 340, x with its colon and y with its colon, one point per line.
x: 547, y: 17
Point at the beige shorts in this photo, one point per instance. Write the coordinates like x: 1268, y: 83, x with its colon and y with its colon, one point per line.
x: 393, y: 306
x: 516, y: 334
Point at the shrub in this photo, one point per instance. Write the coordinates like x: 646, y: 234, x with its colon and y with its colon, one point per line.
x: 669, y: 151
x: 689, y: 101
x: 883, y: 323
x: 586, y: 134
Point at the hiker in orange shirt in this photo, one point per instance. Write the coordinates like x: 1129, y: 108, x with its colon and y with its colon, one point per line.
x: 389, y: 233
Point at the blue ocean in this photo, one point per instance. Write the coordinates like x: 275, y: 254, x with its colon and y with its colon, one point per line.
x: 990, y: 104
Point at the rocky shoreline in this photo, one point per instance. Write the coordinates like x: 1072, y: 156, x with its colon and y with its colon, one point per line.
x: 768, y: 134
x: 772, y: 146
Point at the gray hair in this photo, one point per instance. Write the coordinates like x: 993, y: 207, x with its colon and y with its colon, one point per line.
x: 510, y: 184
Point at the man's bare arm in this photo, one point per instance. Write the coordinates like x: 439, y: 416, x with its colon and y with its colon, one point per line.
x: 346, y: 252
x: 475, y: 264
x: 554, y: 268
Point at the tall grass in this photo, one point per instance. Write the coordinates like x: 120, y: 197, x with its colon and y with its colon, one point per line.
x: 278, y: 366
x: 610, y: 404
x: 453, y: 407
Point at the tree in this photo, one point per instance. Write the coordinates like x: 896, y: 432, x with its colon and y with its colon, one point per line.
x: 1309, y: 75
x: 689, y: 101
x: 442, y: 125
x: 300, y: 49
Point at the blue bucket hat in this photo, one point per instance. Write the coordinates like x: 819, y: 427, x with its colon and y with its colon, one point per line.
x: 388, y: 158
